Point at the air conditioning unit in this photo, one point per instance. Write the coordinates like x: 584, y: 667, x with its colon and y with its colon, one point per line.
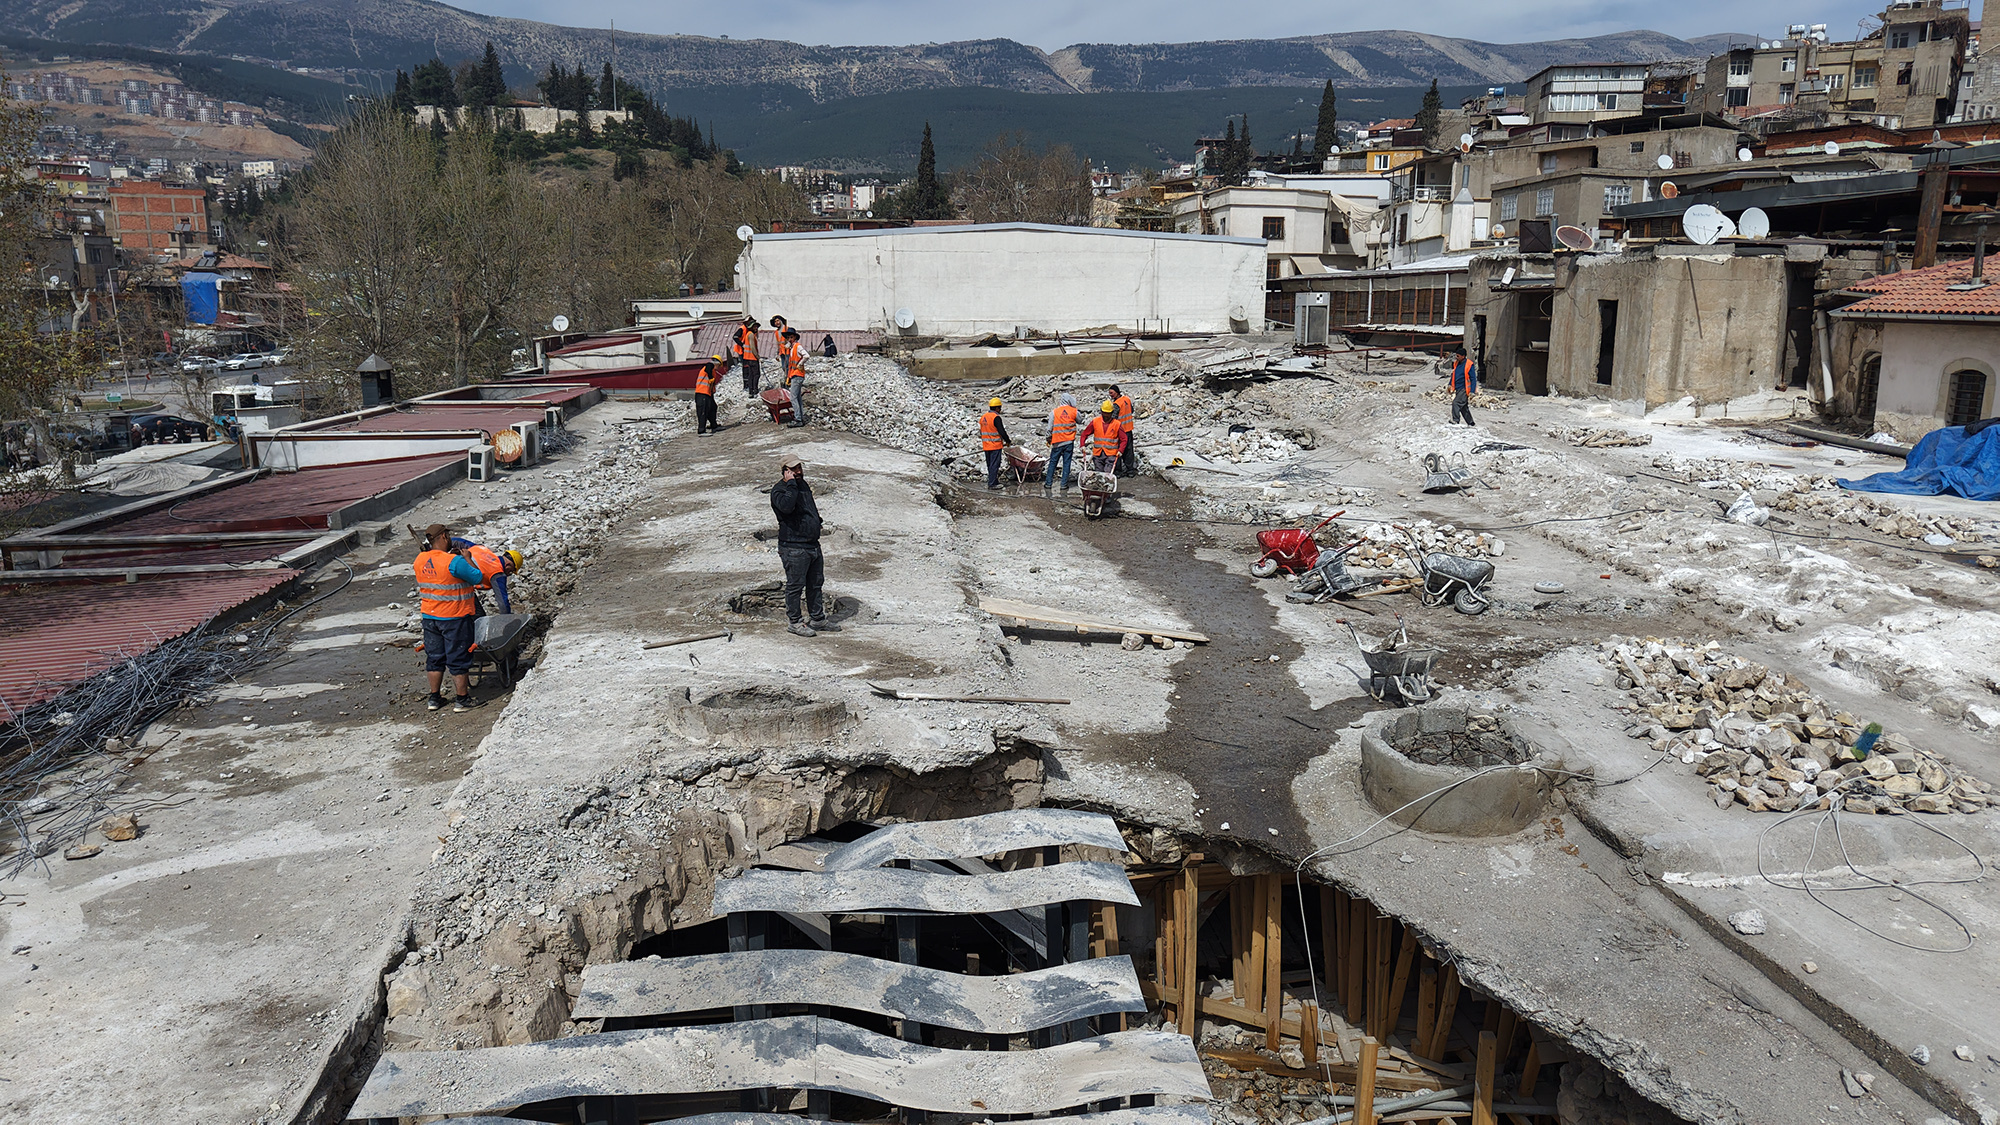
x: 531, y: 443
x: 552, y: 419
x: 1311, y: 314
x: 479, y: 463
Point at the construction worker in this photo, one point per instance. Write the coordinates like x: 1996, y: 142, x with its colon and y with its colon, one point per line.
x: 1464, y: 384
x: 1104, y: 438
x: 445, y: 581
x: 1128, y: 462
x: 994, y: 441
x: 704, y: 394
x: 1062, y: 444
x: 798, y: 550
x: 494, y: 567
x: 743, y: 347
x: 795, y: 376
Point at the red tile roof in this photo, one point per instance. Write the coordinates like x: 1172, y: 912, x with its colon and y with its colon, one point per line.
x: 1927, y: 292
x: 56, y: 634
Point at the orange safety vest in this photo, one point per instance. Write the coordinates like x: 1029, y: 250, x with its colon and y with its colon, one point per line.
x: 1461, y: 376
x: 1125, y: 413
x: 1062, y: 426
x: 488, y: 562
x: 795, y: 363
x: 989, y: 431
x: 745, y: 345
x: 706, y: 382
x: 1105, y: 437
x: 444, y: 594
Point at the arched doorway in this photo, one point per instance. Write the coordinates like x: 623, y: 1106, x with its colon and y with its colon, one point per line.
x: 1965, y: 401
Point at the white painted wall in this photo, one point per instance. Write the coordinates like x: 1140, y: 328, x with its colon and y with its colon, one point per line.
x: 275, y: 450
x: 977, y: 279
x: 1918, y: 358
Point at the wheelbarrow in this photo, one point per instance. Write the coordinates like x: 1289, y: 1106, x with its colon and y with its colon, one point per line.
x: 1452, y: 578
x: 1397, y: 668
x: 496, y: 640
x: 1329, y: 578
x: 1445, y: 475
x: 1289, y: 549
x: 778, y: 402
x: 1023, y: 465
x: 1098, y: 486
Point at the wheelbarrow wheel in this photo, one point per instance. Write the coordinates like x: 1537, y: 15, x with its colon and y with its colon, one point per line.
x: 1469, y: 602
x: 1093, y: 507
x: 1264, y: 568
x: 1413, y: 689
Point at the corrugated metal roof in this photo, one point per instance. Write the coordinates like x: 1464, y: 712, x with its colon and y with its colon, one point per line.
x: 54, y: 635
x: 278, y: 501
x: 485, y: 416
x: 1925, y: 292
x: 712, y: 338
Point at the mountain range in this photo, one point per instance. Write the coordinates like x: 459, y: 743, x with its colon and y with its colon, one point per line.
x: 372, y: 38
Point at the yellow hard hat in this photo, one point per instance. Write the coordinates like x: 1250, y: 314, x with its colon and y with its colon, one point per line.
x: 993, y: 404
x: 715, y: 359
x: 514, y: 557
x: 1109, y: 407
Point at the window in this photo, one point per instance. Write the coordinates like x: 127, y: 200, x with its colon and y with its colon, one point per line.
x: 1903, y: 74
x: 1867, y: 389
x: 1274, y: 228
x: 1617, y: 195
x: 1545, y: 202
x: 1967, y: 401
x: 1739, y: 67
x: 1637, y: 146
x: 1381, y: 162
x: 1271, y: 269
x: 1836, y: 81
x: 1864, y: 77
x: 1509, y: 207
x: 1788, y: 64
x: 1222, y: 224
x: 1786, y: 92
x: 1899, y: 39
x: 1738, y: 97
x: 1548, y: 163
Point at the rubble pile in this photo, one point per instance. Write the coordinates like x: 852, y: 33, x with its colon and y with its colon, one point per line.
x: 1246, y: 445
x: 878, y: 398
x: 1821, y: 498
x: 1599, y: 437
x: 1386, y: 546
x: 1765, y: 741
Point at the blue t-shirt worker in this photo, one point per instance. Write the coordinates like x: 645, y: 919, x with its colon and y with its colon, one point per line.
x: 445, y: 580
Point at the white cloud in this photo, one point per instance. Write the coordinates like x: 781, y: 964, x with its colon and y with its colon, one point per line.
x: 1050, y: 24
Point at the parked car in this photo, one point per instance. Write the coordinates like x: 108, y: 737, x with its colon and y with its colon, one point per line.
x: 167, y: 429
x: 243, y: 361
x: 195, y: 363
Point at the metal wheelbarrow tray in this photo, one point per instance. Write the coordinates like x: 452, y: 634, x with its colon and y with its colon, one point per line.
x: 497, y: 638
x: 1398, y: 667
x: 1441, y: 475
x: 1023, y: 463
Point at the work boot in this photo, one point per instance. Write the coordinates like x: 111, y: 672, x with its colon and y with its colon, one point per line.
x: 800, y: 629
x: 465, y: 703
x: 822, y: 625
x: 436, y: 702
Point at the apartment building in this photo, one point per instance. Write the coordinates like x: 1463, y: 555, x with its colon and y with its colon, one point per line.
x: 1905, y: 74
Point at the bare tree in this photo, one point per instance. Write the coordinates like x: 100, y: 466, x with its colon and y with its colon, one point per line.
x: 1012, y: 183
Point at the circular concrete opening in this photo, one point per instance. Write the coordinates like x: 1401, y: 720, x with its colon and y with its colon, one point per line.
x: 1442, y: 770
x: 755, y: 717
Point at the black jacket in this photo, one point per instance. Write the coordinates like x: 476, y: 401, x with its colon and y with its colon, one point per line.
x: 798, y: 515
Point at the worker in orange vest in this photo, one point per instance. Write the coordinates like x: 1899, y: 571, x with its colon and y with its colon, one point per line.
x: 743, y: 347
x: 1128, y: 462
x: 1104, y: 437
x: 795, y: 375
x: 1464, y: 384
x: 445, y: 580
x: 494, y: 568
x: 704, y: 395
x: 1062, y: 444
x: 994, y: 441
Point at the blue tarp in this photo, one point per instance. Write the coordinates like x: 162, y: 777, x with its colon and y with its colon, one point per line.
x: 1945, y: 461
x: 203, y: 300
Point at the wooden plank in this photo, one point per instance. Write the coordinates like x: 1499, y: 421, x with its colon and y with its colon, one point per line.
x: 1359, y: 925
x: 1482, y: 1089
x: 799, y: 1052
x: 1531, y: 1069
x: 974, y: 836
x: 995, y: 1005
x: 1193, y: 1114
x: 1427, y: 998
x: 1329, y: 943
x: 1447, y: 1013
x: 1274, y: 959
x: 1400, y: 981
x: 1505, y: 1032
x: 1364, y: 1083
x: 1014, y: 613
x: 1331, y: 1072
x: 1190, y: 972
x: 1383, y: 947
x: 1250, y: 892
x: 1239, y: 940
x: 1309, y: 1033
x: 880, y: 890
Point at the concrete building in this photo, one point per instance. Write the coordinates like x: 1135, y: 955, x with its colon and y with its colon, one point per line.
x: 1580, y: 94
x: 975, y: 279
x: 1304, y: 231
x: 1919, y: 350
x: 1903, y: 75
x: 1641, y: 329
x: 157, y: 218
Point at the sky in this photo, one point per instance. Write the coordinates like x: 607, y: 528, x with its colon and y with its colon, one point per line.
x: 1050, y: 24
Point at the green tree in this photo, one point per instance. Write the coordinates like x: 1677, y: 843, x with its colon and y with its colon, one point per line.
x: 1325, y: 133
x: 432, y: 84
x: 1430, y: 114
x: 485, y: 83
x: 929, y: 198
x: 402, y: 98
x: 44, y: 357
x: 607, y: 90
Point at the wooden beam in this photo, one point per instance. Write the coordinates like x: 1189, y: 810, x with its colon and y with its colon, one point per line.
x: 1329, y: 940
x: 1427, y: 999
x: 1400, y: 982
x: 1239, y: 941
x: 1364, y: 1084
x: 1359, y: 926
x: 1482, y: 1090
x: 1505, y: 1032
x: 1531, y: 1069
x: 1447, y: 1013
x: 1383, y: 947
x: 1190, y: 974
x: 1019, y: 614
x: 1309, y: 1033
x: 1274, y: 944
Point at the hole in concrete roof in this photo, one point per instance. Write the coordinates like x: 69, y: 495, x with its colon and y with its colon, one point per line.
x: 1440, y: 769
x: 756, y: 717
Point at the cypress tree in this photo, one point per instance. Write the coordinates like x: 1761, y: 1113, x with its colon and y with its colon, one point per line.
x: 929, y: 199
x: 1429, y: 115
x: 607, y: 90
x: 1325, y: 139
x: 401, y: 98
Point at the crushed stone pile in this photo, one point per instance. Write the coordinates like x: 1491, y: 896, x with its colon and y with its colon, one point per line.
x: 1247, y: 445
x: 1599, y: 437
x: 1766, y: 742
x: 1386, y: 546
x: 878, y: 398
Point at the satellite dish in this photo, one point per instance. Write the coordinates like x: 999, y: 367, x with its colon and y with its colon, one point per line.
x: 695, y: 312
x: 1499, y: 232
x: 744, y: 232
x: 1669, y: 190
x: 905, y: 318
x: 1576, y: 238
x: 560, y: 323
x: 1465, y: 140
x: 1832, y: 149
x: 1753, y: 223
x: 1745, y: 154
x: 1704, y: 224
x: 1665, y: 162
x: 1465, y: 146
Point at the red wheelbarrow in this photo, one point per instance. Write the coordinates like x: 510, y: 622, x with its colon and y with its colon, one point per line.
x: 779, y: 403
x: 1023, y: 465
x: 1289, y: 549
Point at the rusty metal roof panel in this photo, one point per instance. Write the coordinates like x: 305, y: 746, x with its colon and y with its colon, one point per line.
x: 487, y: 417
x: 279, y: 501
x: 56, y: 634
